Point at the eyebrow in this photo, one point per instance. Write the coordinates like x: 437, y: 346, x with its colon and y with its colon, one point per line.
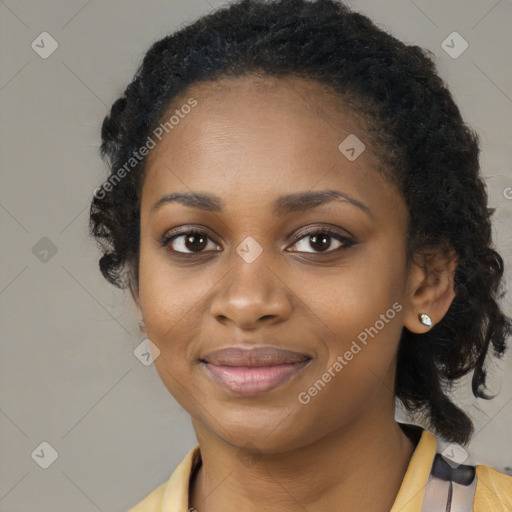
x: 283, y: 205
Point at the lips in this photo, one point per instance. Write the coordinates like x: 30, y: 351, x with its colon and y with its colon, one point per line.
x: 259, y: 356
x: 249, y: 372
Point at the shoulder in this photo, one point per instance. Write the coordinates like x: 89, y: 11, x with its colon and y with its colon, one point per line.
x: 493, y: 490
x: 152, y: 502
x: 172, y: 496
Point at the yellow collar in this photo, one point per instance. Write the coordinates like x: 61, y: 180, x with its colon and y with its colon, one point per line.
x: 411, y: 492
x: 409, y: 498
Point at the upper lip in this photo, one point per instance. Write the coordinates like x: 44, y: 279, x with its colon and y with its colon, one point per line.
x: 258, y: 356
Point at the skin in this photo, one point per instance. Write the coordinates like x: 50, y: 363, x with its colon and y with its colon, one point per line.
x: 250, y: 140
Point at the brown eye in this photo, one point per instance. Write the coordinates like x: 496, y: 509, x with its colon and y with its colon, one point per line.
x: 188, y: 242
x: 321, y: 240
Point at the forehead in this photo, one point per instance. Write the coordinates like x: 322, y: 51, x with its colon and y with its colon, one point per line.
x: 256, y: 137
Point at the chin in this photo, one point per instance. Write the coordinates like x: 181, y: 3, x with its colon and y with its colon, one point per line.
x: 275, y: 431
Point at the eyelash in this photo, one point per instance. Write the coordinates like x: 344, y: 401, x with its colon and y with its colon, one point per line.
x: 334, y: 233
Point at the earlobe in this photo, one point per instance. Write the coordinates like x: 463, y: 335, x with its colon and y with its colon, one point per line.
x: 142, y: 325
x: 134, y: 290
x: 431, y: 290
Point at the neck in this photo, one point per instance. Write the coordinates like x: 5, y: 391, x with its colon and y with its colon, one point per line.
x: 358, y: 467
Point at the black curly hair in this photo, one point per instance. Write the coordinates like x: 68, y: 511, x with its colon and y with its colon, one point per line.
x: 426, y: 151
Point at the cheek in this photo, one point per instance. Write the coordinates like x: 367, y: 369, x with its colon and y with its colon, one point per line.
x: 169, y: 313
x: 164, y: 295
x: 356, y: 370
x: 357, y: 296
x: 361, y: 314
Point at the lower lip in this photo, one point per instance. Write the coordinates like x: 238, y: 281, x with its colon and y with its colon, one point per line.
x: 251, y: 381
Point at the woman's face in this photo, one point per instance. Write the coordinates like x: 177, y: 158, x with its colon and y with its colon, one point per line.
x: 253, y: 278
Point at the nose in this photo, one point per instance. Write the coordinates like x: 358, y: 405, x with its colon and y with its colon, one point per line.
x: 252, y: 293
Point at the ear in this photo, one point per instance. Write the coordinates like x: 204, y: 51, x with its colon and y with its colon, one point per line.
x: 135, y: 295
x: 134, y: 290
x: 430, y: 288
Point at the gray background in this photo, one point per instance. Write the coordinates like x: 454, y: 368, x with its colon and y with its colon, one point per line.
x: 68, y: 373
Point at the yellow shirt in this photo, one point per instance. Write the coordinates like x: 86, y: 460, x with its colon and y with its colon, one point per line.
x: 493, y: 490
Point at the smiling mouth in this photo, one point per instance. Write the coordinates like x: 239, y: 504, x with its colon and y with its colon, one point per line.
x: 250, y: 372
x: 251, y: 381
